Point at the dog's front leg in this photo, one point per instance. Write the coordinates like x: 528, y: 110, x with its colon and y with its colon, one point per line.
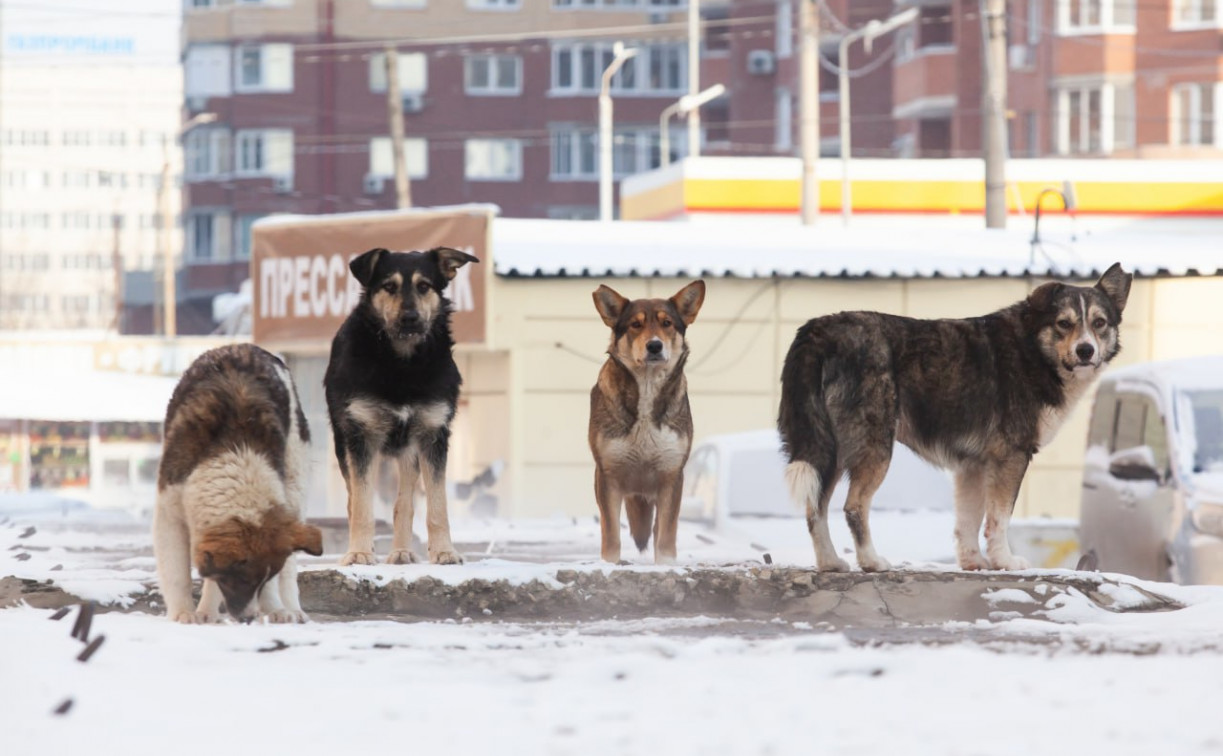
x: 172, y: 547
x: 608, y: 497
x: 289, y: 592
x: 1001, y: 489
x: 360, y: 482
x: 209, y: 610
x: 437, y: 519
x: 401, y: 540
x: 666, y: 526
x: 969, y: 511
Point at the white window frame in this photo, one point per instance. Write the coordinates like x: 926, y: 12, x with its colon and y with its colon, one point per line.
x: 266, y: 3
x: 1106, y: 23
x: 492, y: 90
x: 407, y: 61
x: 269, y: 82
x: 568, y: 140
x: 219, y: 232
x: 399, y: 3
x: 515, y: 146
x: 1197, y: 137
x: 1116, y: 101
x: 495, y: 5
x: 268, y: 142
x: 198, y: 5
x: 1178, y: 22
x: 416, y: 156
x: 216, y: 144
x: 633, y: 77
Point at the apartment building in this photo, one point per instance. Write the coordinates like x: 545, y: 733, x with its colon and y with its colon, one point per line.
x: 88, y: 115
x: 499, y: 100
x: 1090, y: 78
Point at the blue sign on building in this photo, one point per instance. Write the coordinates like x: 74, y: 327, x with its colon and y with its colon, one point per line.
x: 69, y: 44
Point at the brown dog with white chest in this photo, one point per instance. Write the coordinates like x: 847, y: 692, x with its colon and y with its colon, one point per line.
x: 640, y: 421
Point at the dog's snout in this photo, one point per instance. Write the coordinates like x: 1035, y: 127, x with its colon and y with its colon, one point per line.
x: 654, y: 346
x: 1085, y: 352
x: 410, y: 317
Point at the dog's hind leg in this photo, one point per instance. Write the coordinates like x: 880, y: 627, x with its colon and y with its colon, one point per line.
x: 361, y: 467
x: 808, y: 488
x: 608, y: 497
x: 969, y: 511
x: 865, y: 477
x: 1002, y: 482
x: 401, y: 540
x: 437, y: 519
x: 667, y: 525
x: 640, y: 513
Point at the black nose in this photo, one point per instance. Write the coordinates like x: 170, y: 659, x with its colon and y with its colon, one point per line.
x: 1084, y: 351
x: 410, y: 317
x: 653, y: 346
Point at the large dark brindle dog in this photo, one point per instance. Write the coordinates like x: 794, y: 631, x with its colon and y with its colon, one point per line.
x: 979, y: 396
x: 392, y: 387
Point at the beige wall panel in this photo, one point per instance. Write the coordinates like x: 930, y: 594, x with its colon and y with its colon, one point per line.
x: 552, y: 489
x: 230, y: 21
x: 555, y: 426
x: 962, y: 299
x: 1050, y: 492
x: 737, y: 357
x: 803, y: 299
x: 1187, y: 302
x: 714, y: 414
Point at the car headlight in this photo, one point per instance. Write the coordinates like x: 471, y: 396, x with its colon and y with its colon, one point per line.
x: 1208, y: 518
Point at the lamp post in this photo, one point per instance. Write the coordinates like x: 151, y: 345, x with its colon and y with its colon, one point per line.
x: 620, y: 53
x: 868, y: 33
x: 685, y: 104
x: 169, y: 296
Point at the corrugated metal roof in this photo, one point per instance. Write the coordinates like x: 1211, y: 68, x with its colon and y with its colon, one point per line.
x: 881, y: 248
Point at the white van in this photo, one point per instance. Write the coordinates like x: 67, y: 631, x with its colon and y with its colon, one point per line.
x: 1152, y: 502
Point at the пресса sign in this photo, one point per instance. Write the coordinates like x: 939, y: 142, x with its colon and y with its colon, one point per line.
x: 303, y: 289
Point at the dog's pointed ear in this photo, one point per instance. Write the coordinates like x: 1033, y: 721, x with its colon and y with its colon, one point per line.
x: 450, y: 260
x: 609, y: 304
x: 688, y: 301
x: 306, y: 538
x: 1041, y: 298
x: 1115, y: 283
x: 363, y: 265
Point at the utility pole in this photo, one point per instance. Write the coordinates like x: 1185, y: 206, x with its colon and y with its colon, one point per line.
x: 809, y: 107
x: 694, y: 76
x: 993, y: 110
x: 169, y: 298
x: 394, y: 112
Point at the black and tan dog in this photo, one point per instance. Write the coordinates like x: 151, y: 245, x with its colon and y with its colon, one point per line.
x: 640, y: 422
x: 978, y: 396
x: 392, y: 387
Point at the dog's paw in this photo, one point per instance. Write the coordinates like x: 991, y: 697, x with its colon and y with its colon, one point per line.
x: 1011, y: 562
x: 874, y: 564
x: 836, y: 564
x: 358, y: 557
x: 445, y: 556
x: 664, y: 559
x: 974, y: 562
x: 286, y: 617
x: 401, y: 556
x: 185, y: 617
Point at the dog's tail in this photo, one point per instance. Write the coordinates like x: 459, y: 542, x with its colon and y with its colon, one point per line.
x: 807, y: 436
x: 640, y: 519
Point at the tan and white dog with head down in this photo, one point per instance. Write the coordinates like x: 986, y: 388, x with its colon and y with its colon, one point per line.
x: 230, y: 490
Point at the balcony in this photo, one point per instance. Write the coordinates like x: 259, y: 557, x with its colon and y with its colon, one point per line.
x: 925, y: 81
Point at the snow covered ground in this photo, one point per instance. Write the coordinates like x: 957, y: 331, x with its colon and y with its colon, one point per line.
x: 1075, y: 678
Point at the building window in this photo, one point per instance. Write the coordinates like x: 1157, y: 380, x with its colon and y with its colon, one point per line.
x: 783, y: 120
x: 783, y: 29
x: 575, y: 151
x: 494, y: 4
x: 1195, y: 13
x: 208, y: 236
x: 493, y: 159
x: 206, y: 71
x: 198, y: 4
x: 1194, y: 111
x: 492, y: 75
x: 577, y: 68
x: 206, y: 153
x: 382, y: 161
x: 1094, y: 119
x: 263, y: 152
x: 242, y: 236
x: 413, y: 72
x: 398, y: 3
x: 1095, y: 16
x: 263, y: 68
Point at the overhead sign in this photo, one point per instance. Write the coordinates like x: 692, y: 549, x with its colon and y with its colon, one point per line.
x: 303, y: 289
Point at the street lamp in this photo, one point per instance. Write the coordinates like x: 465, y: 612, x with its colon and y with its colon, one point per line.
x: 868, y: 33
x: 168, y: 294
x: 685, y: 104
x: 620, y: 53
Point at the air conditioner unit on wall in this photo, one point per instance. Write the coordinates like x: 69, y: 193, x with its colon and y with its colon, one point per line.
x: 373, y: 184
x: 760, y: 62
x: 413, y: 102
x: 1020, y: 56
x: 282, y: 184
